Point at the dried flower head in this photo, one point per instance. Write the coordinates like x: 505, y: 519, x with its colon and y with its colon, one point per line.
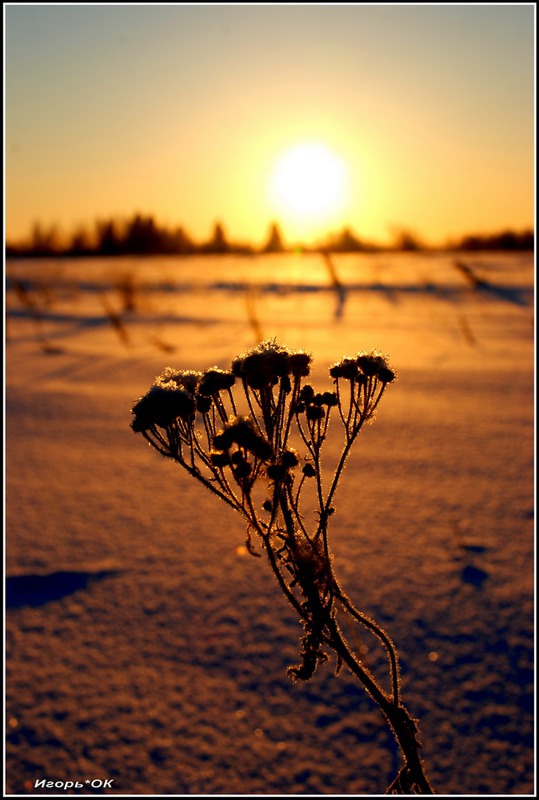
x: 215, y: 380
x: 308, y: 470
x: 314, y: 412
x: 219, y: 459
x: 161, y: 406
x: 290, y: 458
x: 371, y: 363
x: 185, y: 379
x: 300, y: 363
x: 345, y: 368
x: 242, y: 432
x: 307, y: 393
x: 269, y: 362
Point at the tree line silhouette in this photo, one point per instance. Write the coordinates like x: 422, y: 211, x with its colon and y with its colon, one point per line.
x: 142, y: 235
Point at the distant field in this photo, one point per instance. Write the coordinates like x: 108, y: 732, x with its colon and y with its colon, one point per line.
x: 145, y: 648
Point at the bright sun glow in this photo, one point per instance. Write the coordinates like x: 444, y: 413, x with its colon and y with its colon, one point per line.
x: 309, y: 181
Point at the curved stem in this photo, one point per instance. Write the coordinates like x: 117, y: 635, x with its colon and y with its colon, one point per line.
x: 379, y: 633
x: 403, y: 725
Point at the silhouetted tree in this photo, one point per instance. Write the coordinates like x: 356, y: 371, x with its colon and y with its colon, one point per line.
x: 346, y: 242
x: 142, y: 236
x: 108, y: 240
x: 407, y: 241
x: 506, y: 240
x: 274, y: 243
x: 44, y: 242
x: 179, y: 242
x: 80, y: 244
x: 218, y: 243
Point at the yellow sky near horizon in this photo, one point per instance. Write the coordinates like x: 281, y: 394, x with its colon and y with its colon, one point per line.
x: 184, y: 112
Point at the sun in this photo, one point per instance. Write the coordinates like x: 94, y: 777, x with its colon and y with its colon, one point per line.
x: 309, y: 182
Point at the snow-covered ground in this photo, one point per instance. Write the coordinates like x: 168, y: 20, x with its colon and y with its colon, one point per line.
x: 145, y: 648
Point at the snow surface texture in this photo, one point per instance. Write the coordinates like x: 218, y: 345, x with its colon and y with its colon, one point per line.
x: 145, y: 647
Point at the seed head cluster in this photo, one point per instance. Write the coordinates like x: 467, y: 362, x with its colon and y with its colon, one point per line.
x: 253, y: 434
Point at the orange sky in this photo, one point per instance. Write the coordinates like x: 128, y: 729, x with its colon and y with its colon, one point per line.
x: 184, y: 111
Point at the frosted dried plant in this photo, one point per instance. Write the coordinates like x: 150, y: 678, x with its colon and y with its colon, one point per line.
x: 254, y: 436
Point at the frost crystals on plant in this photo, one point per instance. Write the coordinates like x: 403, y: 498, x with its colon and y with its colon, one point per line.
x: 254, y: 435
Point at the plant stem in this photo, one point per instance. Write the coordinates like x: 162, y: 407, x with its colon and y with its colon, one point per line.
x: 403, y: 725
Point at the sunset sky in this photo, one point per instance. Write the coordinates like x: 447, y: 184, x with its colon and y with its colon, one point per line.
x: 378, y: 117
